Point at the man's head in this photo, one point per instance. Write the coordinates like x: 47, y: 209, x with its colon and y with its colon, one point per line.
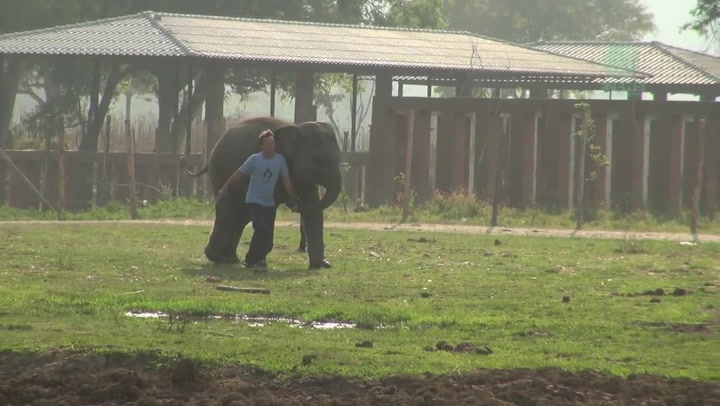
x: 267, y: 142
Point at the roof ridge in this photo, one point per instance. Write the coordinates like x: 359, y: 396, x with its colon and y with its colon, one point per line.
x: 311, y: 23
x: 593, y: 42
x: 619, y: 68
x: 157, y: 23
x: 689, y: 50
x: 73, y: 25
x: 662, y: 47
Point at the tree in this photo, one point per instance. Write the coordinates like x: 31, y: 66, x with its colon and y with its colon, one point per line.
x: 705, y: 18
x: 524, y: 21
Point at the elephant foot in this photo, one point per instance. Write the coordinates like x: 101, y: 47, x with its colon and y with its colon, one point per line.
x: 221, y: 259
x: 324, y: 264
x: 302, y: 249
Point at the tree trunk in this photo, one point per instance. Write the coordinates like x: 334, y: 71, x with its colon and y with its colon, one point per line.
x: 94, y: 92
x: 198, y: 98
x: 90, y: 141
x: 9, y: 80
x: 168, y: 98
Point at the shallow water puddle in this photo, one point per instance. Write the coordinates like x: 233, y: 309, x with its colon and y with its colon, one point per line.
x: 249, y: 320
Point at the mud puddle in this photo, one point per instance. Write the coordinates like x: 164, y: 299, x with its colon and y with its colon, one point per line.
x: 251, y: 321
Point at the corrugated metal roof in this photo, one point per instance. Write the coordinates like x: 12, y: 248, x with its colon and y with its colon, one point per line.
x: 664, y: 64
x: 164, y: 34
x: 133, y: 35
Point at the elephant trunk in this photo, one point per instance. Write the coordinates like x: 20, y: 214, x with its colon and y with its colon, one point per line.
x: 333, y: 187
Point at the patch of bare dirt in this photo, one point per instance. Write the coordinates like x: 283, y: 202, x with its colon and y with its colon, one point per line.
x: 427, y: 228
x: 59, y: 378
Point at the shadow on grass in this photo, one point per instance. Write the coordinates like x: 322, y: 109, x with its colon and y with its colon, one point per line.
x: 239, y: 273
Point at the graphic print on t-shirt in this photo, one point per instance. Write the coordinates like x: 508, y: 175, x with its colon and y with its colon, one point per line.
x: 267, y: 175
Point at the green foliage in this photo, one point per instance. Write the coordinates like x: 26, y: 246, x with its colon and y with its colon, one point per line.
x: 587, y: 129
x: 524, y: 21
x: 705, y: 16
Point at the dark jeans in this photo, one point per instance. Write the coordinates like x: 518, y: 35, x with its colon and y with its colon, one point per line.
x: 263, y: 221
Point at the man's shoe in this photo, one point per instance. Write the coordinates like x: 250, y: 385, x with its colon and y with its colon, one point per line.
x: 324, y: 264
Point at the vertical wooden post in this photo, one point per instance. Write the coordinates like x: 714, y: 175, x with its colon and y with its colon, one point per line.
x: 353, y: 114
x: 44, y: 175
x: 580, y: 204
x: 156, y: 165
x: 407, y: 185
x: 273, y: 86
x: 62, y: 200
x: 130, y: 133
x: 698, y: 180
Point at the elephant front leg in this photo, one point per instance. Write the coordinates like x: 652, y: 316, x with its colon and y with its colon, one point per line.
x: 303, y: 243
x: 312, y: 220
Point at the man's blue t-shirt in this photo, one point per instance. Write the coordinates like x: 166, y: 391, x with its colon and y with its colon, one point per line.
x: 264, y: 173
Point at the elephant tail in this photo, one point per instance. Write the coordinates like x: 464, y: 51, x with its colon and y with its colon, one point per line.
x: 193, y: 174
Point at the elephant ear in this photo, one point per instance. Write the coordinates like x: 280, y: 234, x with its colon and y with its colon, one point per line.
x: 286, y: 139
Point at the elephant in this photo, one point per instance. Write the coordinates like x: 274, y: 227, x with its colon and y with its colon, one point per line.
x: 313, y: 157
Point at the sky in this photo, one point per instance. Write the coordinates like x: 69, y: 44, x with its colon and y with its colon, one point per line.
x: 670, y: 15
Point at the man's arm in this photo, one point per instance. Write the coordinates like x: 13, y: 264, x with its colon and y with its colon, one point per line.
x: 287, y: 182
x: 242, y: 171
x: 231, y: 181
x: 289, y: 187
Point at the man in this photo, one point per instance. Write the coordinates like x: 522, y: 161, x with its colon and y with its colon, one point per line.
x: 264, y: 169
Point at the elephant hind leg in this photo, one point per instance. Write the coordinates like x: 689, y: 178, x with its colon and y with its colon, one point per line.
x: 230, y: 221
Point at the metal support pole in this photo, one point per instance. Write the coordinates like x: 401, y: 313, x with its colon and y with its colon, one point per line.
x: 273, y: 85
x: 353, y: 131
x: 189, y: 110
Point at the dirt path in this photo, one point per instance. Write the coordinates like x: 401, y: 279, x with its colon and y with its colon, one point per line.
x: 62, y: 378
x: 445, y: 228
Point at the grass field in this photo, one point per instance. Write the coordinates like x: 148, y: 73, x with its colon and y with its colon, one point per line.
x: 70, y: 286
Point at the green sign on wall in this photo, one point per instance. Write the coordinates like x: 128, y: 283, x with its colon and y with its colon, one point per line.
x: 621, y: 57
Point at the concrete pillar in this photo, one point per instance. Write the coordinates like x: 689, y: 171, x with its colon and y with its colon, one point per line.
x: 707, y: 97
x: 463, y: 85
x: 660, y: 96
x: 538, y: 92
x: 634, y: 96
x: 383, y: 84
x: 382, y: 132
x: 305, y: 96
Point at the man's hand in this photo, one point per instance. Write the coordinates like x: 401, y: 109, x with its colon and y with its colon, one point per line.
x: 293, y: 204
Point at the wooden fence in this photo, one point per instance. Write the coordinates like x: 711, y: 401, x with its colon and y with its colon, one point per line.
x: 93, y: 179
x: 462, y: 143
